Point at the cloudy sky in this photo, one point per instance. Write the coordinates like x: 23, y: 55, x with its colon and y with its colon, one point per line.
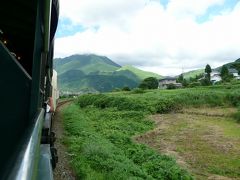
x: 162, y: 36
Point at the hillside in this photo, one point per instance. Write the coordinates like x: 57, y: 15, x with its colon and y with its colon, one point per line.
x: 229, y: 65
x: 193, y: 74
x: 96, y: 73
x: 140, y: 73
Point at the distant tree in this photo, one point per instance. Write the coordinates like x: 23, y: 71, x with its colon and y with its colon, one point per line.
x: 208, y: 71
x: 185, y: 83
x: 207, y: 80
x: 149, y: 83
x: 180, y: 78
x: 224, y: 73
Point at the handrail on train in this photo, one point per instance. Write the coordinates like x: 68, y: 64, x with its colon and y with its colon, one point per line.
x: 26, y: 165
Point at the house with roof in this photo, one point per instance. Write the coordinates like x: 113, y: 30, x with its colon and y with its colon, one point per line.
x: 164, y: 83
x: 234, y: 72
x: 215, y: 77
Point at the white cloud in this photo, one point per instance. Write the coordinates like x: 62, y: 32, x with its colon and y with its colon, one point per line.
x: 191, y: 8
x: 144, y: 34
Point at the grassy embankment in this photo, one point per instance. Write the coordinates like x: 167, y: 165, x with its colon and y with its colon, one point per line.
x: 100, y: 130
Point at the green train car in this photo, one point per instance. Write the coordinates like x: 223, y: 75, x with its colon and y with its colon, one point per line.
x: 27, y: 30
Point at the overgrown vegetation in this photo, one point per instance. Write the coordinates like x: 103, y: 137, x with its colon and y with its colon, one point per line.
x: 163, y: 101
x: 100, y: 129
x: 149, y: 83
x: 101, y: 146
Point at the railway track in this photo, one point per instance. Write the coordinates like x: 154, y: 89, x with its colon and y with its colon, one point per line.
x: 63, y: 102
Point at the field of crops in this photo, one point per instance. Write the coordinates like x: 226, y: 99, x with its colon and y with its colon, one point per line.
x: 101, y: 131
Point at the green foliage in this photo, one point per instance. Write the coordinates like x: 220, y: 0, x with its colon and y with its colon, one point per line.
x: 207, y: 79
x: 180, y: 78
x: 101, y: 146
x: 100, y: 128
x: 194, y: 84
x: 205, y: 82
x: 138, y: 91
x: 225, y: 74
x: 208, y: 69
x: 171, y: 86
x: 149, y: 83
x: 163, y: 100
x: 126, y: 88
x: 185, y: 83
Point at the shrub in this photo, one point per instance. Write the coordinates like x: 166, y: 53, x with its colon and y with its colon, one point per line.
x: 138, y: 91
x: 149, y: 83
x: 171, y: 86
x: 126, y: 88
x: 194, y: 84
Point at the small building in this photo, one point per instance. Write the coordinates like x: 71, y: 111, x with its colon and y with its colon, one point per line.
x: 215, y: 77
x: 234, y: 72
x: 164, y: 83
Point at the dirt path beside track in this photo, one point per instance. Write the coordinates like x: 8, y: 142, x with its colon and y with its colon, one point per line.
x: 63, y: 170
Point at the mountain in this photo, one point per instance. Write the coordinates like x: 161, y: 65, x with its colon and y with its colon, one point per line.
x: 85, y: 63
x: 140, y: 73
x: 96, y: 73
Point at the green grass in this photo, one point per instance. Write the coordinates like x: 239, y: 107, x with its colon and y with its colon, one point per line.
x: 101, y: 146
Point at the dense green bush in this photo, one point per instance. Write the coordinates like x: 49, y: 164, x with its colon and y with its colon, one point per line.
x: 126, y: 88
x: 162, y: 101
x: 149, y: 83
x: 194, y: 84
x: 171, y: 86
x: 138, y: 91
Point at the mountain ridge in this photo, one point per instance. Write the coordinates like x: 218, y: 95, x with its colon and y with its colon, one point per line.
x: 96, y: 73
